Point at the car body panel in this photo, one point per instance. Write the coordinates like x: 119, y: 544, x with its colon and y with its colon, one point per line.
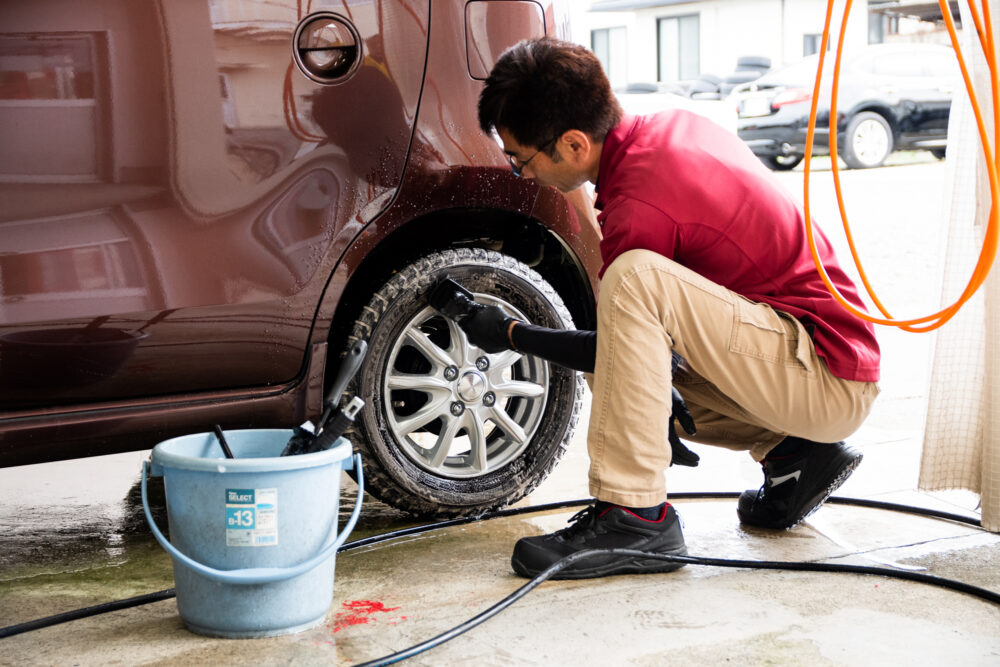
x: 187, y: 265
x: 242, y: 203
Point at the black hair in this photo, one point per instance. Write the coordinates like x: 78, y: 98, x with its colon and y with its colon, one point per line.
x: 540, y: 88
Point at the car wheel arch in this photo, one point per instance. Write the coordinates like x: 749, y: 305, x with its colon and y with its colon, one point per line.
x: 521, y: 237
x: 886, y: 112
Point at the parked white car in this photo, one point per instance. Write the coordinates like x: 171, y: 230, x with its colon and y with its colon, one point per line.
x: 642, y: 99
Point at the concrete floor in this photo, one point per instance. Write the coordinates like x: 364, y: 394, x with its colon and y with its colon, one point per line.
x: 66, y: 543
x: 395, y: 594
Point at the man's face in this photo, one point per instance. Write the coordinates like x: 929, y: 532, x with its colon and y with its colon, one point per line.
x: 535, y: 163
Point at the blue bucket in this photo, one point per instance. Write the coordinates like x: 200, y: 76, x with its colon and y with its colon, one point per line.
x: 253, y: 538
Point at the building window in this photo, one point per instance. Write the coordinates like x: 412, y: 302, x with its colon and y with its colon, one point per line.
x: 609, y: 45
x: 876, y: 27
x: 678, y: 48
x: 811, y: 44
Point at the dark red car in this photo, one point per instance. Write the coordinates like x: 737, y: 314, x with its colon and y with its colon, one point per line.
x: 202, y: 203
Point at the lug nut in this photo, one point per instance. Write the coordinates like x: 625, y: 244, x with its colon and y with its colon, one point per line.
x: 457, y: 409
x: 489, y: 398
x: 482, y: 363
x: 450, y: 373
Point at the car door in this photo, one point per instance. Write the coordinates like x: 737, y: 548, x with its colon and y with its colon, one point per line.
x: 180, y: 184
x: 920, y: 83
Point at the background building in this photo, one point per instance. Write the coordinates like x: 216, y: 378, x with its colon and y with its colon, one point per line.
x: 679, y: 40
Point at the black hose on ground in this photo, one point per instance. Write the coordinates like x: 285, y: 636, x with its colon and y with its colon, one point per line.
x: 94, y: 610
x: 416, y: 649
x: 951, y: 584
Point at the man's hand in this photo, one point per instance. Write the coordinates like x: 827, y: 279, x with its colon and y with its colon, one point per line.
x: 680, y: 454
x: 487, y: 327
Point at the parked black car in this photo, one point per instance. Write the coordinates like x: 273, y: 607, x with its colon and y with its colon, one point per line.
x: 891, y: 97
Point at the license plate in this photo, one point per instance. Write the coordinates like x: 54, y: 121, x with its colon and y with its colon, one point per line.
x: 759, y: 105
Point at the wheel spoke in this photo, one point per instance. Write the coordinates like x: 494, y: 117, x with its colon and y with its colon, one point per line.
x: 518, y: 388
x: 476, y: 431
x: 423, y: 416
x: 422, y: 342
x: 507, y: 424
x: 459, y: 347
x: 503, y: 360
x: 443, y: 445
x: 417, y: 382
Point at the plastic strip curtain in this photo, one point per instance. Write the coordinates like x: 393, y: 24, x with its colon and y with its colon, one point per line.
x: 962, y: 435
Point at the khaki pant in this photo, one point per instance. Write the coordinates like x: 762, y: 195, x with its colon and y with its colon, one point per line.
x: 751, y: 376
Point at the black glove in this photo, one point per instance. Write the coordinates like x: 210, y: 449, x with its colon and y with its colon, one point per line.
x: 486, y: 327
x: 680, y: 454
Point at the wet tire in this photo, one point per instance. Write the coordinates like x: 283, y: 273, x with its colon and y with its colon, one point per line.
x: 447, y: 429
x: 869, y: 141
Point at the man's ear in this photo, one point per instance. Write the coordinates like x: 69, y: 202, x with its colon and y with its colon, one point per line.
x: 575, y: 146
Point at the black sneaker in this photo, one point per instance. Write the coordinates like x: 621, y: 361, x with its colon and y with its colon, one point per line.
x: 614, y: 528
x: 795, y: 486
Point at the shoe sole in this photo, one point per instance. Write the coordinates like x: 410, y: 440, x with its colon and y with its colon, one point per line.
x: 817, y: 501
x: 631, y: 566
x: 813, y: 503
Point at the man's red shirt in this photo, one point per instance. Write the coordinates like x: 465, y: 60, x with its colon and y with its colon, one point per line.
x: 678, y: 184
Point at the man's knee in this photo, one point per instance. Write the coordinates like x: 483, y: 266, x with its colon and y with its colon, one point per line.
x: 630, y: 263
x: 640, y: 278
x: 637, y: 274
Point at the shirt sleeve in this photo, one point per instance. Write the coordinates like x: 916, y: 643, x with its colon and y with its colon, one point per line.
x: 570, y: 348
x: 631, y: 224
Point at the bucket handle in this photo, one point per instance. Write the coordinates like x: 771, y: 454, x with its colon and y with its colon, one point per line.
x: 260, y: 575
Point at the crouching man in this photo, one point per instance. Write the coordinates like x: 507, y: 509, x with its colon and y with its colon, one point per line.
x: 708, y: 290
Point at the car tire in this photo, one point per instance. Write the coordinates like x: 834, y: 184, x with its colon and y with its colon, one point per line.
x: 869, y: 141
x: 939, y: 153
x: 782, y: 162
x: 427, y: 447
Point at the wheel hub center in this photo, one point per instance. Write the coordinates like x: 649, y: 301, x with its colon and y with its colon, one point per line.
x: 471, y: 386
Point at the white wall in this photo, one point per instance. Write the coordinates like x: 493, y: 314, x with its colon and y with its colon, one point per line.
x: 729, y: 29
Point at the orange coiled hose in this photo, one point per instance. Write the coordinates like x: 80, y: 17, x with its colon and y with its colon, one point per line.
x: 984, y: 30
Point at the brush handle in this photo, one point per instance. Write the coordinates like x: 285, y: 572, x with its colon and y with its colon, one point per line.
x: 349, y: 366
x: 222, y: 442
x: 335, y: 426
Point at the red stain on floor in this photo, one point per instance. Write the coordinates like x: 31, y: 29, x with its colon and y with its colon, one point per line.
x: 362, y: 612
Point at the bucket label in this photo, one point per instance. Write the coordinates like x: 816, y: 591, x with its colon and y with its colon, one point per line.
x: 251, y: 517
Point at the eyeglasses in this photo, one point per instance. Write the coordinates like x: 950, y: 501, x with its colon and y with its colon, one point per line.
x: 517, y: 165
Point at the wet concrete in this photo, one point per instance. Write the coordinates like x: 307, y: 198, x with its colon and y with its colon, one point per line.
x: 72, y: 535
x: 395, y: 594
